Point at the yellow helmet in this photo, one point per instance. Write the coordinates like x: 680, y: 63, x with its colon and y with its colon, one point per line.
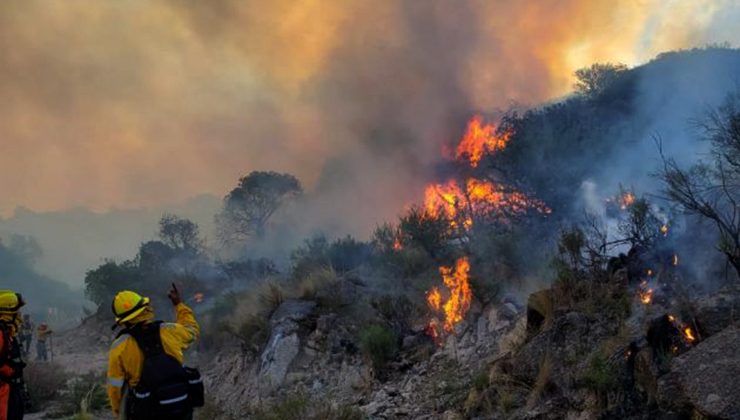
x: 127, y: 305
x: 10, y: 302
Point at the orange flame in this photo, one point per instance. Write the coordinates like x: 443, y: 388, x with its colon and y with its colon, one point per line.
x: 458, y: 302
x: 646, y: 296
x: 627, y: 199
x: 664, y: 230
x: 645, y: 293
x: 675, y: 259
x: 480, y: 139
x: 397, y: 246
x: 688, y: 333
x: 478, y: 198
x: 460, y: 294
x: 434, y: 299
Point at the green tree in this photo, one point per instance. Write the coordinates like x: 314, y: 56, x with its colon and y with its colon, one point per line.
x: 103, y: 282
x: 590, y: 81
x: 180, y: 234
x: 248, y: 207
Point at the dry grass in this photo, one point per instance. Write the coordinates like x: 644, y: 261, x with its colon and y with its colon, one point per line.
x: 540, y: 384
x: 513, y: 340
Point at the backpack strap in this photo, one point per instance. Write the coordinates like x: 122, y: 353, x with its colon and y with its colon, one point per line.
x: 147, y: 337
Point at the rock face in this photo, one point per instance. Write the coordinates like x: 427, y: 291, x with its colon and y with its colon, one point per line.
x: 715, y: 312
x: 705, y: 378
x: 284, y: 344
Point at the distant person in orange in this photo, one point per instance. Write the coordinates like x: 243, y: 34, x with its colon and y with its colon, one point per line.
x: 12, y: 389
x: 43, y: 334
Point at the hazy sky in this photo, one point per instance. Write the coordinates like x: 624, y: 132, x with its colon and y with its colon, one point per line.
x: 140, y: 103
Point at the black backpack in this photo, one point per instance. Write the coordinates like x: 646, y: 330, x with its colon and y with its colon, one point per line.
x: 166, y: 389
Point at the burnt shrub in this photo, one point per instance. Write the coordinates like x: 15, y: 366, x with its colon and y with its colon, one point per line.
x: 379, y: 344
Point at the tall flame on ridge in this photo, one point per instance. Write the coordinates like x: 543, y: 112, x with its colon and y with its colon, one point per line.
x: 480, y: 139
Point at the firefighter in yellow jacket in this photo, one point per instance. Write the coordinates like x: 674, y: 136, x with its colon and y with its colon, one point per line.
x: 127, y: 358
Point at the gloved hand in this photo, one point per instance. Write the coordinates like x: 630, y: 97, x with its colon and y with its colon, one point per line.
x: 174, y: 295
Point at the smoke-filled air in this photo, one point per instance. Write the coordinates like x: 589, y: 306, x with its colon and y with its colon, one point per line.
x: 369, y: 210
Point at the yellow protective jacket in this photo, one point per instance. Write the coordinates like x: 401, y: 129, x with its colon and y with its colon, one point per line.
x: 126, y: 359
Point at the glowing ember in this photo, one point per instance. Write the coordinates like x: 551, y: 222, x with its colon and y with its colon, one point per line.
x: 664, y: 230
x: 480, y: 139
x: 649, y: 272
x: 397, y: 245
x: 688, y: 333
x: 198, y: 297
x: 645, y: 293
x: 646, y: 296
x: 675, y: 259
x: 458, y: 302
x: 627, y: 199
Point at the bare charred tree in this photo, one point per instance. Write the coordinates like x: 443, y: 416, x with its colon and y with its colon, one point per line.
x: 712, y: 189
x: 248, y: 207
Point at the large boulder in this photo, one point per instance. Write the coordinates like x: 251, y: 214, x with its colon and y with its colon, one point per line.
x: 564, y: 345
x: 705, y: 379
x: 714, y: 313
x: 284, y: 343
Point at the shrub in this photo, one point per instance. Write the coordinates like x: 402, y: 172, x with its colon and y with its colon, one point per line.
x: 429, y: 233
x: 311, y: 256
x: 481, y: 381
x: 83, y: 395
x: 270, y: 298
x: 342, y: 255
x: 253, y: 331
x: 347, y: 254
x: 599, y: 376
x: 380, y: 344
x: 323, y: 286
x: 396, y: 311
x: 44, y: 381
x: 302, y: 408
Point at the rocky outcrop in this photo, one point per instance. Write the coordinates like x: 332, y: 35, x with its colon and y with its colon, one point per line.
x: 705, y: 379
x: 284, y: 343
